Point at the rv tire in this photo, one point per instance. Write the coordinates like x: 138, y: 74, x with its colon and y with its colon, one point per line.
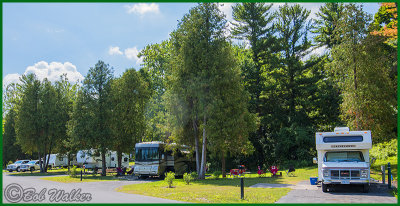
x: 32, y: 169
x: 365, y: 188
x: 324, y: 187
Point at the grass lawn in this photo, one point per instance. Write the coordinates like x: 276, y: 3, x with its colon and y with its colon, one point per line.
x: 85, y: 178
x: 131, y: 163
x: 225, y: 190
x: 376, y: 168
x: 37, y: 173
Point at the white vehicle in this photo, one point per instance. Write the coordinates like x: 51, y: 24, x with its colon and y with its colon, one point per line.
x: 56, y: 160
x: 343, y: 157
x: 16, y: 165
x: 31, y: 166
x: 88, y: 159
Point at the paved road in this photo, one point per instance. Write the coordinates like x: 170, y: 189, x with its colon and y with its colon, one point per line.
x: 303, y: 192
x: 101, y: 192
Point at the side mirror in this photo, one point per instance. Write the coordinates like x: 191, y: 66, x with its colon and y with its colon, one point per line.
x: 315, y: 161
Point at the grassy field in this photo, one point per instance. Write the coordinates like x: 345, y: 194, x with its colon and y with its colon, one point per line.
x: 226, y: 190
x: 376, y: 168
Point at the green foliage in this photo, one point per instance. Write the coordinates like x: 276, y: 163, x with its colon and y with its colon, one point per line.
x: 382, y: 151
x: 216, y: 174
x: 326, y: 22
x: 194, y: 175
x: 129, y: 94
x: 73, y: 172
x: 169, y: 178
x: 187, y: 178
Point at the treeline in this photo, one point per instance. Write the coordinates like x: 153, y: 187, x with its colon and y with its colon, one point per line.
x: 257, y: 102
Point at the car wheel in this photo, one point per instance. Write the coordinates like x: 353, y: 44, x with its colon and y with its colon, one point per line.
x: 18, y: 170
x: 32, y: 169
x: 10, y: 170
x: 324, y: 187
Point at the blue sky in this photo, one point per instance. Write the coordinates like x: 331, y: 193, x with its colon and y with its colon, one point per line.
x: 49, y: 39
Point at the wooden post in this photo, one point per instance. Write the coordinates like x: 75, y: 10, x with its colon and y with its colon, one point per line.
x: 383, y: 173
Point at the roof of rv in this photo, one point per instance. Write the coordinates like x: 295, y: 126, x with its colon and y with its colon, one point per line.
x: 149, y: 144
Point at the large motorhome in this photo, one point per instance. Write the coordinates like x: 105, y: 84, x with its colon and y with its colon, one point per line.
x: 90, y: 159
x: 343, y: 157
x: 156, y: 158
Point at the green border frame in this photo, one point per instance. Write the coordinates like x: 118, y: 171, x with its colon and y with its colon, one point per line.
x: 178, y: 1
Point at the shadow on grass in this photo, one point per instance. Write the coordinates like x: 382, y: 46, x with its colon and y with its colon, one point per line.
x: 248, y: 181
x: 37, y: 173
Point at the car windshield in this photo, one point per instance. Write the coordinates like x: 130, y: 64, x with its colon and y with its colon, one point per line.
x: 344, y: 156
x: 17, y: 162
x: 146, y: 154
x: 31, y: 162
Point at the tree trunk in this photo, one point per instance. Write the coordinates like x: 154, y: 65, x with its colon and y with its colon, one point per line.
x: 119, y: 157
x: 196, y: 145
x: 69, y: 159
x: 203, y: 153
x: 223, y: 164
x: 103, y: 162
x: 44, y: 161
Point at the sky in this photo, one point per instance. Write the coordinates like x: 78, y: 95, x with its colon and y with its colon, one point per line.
x: 50, y: 39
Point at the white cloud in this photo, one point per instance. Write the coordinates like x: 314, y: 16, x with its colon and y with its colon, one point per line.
x: 226, y: 8
x: 114, y: 50
x: 132, y: 54
x: 142, y: 8
x: 51, y: 71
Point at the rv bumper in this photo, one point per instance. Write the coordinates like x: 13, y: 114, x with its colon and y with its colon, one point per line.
x: 345, y: 182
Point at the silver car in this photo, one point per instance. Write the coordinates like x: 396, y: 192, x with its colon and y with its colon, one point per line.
x: 30, y: 166
x: 16, y: 165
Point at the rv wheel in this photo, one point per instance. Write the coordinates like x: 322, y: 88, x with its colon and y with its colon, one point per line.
x: 324, y: 187
x: 18, y: 170
x: 366, y: 188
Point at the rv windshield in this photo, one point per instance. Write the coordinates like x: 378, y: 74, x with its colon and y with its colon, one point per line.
x: 146, y: 154
x: 344, y: 156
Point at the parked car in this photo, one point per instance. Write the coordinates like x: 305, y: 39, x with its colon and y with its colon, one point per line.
x: 30, y: 166
x: 16, y: 165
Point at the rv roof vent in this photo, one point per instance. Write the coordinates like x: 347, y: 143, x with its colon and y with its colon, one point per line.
x: 342, y: 129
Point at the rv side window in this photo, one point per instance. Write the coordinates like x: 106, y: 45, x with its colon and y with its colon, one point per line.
x: 344, y: 156
x: 343, y: 139
x: 125, y: 159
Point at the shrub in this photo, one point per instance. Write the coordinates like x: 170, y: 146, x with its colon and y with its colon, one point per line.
x: 187, y: 178
x: 73, y: 172
x: 384, y: 150
x: 169, y: 178
x: 216, y: 174
x: 194, y: 175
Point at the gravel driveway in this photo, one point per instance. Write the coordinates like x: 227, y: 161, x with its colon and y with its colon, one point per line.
x: 101, y: 192
x: 303, y: 192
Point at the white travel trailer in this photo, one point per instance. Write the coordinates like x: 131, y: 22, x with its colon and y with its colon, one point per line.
x: 343, y: 157
x: 90, y: 160
x: 56, y: 160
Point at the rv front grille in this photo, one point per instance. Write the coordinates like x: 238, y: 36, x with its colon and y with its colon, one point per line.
x: 345, y: 174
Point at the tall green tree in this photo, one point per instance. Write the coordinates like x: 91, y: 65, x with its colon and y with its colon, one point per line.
x: 91, y: 121
x: 130, y: 94
x: 27, y: 123
x: 362, y: 67
x: 199, y: 50
x: 326, y: 22
x: 156, y: 62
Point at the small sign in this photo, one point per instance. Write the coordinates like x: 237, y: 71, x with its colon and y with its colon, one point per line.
x: 342, y: 146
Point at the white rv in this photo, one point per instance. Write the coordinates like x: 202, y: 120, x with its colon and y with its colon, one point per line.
x: 90, y: 160
x: 56, y: 160
x: 343, y: 157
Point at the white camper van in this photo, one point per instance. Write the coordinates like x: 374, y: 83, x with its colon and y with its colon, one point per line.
x: 343, y: 157
x: 56, y: 160
x: 90, y: 160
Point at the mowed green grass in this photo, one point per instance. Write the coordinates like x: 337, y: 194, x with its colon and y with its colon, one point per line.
x: 226, y: 190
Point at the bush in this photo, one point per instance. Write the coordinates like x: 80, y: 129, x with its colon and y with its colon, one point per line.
x: 194, y: 175
x: 73, y: 172
x: 216, y: 174
x: 383, y: 151
x: 169, y: 178
x: 187, y: 178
